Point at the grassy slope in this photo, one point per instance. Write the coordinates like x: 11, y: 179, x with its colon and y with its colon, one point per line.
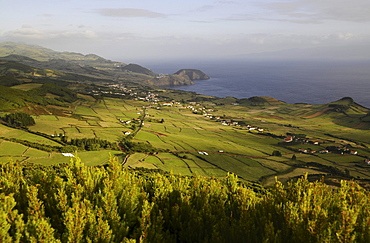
x: 245, y: 153
x: 185, y: 134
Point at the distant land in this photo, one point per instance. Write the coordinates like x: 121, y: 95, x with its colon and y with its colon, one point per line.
x: 193, y: 74
x: 93, y: 65
x: 344, y: 52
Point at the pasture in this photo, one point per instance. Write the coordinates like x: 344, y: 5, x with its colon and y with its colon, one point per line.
x: 27, y: 87
x: 199, y: 145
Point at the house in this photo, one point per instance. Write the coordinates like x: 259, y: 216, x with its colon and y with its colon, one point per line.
x: 302, y: 150
x: 288, y: 139
x: 325, y: 151
x: 127, y: 133
x: 68, y: 155
x: 367, y: 161
x: 353, y: 152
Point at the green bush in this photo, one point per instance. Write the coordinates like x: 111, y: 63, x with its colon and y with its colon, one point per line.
x: 75, y: 203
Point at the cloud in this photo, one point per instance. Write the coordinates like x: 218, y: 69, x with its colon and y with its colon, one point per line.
x: 317, y: 11
x: 24, y: 33
x: 47, y: 15
x: 129, y: 13
x: 26, y: 26
x: 27, y: 33
x: 205, y: 8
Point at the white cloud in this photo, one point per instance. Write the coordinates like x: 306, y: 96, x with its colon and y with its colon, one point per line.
x: 32, y: 33
x: 24, y: 33
x: 26, y: 26
x: 317, y: 11
x: 129, y: 13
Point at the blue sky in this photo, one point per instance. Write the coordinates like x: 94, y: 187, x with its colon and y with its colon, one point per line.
x: 128, y: 30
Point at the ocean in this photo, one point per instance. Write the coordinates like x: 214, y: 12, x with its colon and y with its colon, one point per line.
x: 312, y: 82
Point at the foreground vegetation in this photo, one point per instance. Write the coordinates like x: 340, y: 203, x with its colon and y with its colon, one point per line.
x: 76, y: 203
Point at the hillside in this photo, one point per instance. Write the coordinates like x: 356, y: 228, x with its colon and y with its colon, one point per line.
x: 193, y: 74
x: 196, y: 134
x: 26, y: 72
x: 44, y: 54
x: 238, y: 136
x: 169, y: 80
x: 137, y: 69
x: 58, y: 64
x: 90, y: 65
x: 230, y: 168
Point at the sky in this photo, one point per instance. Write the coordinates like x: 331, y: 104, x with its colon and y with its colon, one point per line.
x: 134, y: 30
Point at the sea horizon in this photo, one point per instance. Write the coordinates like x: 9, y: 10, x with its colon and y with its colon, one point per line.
x: 291, y: 81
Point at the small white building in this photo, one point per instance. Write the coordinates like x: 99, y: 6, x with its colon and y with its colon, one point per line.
x: 68, y: 155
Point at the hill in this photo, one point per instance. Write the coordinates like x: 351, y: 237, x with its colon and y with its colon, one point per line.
x: 183, y: 131
x: 137, y: 69
x: 44, y: 54
x: 89, y: 65
x: 193, y: 74
x: 169, y: 80
x: 197, y: 168
x: 58, y: 64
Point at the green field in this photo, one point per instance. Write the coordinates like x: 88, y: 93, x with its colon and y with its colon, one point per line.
x: 185, y: 136
x: 27, y: 87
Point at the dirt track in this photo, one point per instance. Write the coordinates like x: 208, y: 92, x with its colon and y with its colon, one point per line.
x: 156, y: 133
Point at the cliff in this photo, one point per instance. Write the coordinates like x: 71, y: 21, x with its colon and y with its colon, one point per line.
x: 170, y: 80
x: 193, y: 74
x: 137, y: 69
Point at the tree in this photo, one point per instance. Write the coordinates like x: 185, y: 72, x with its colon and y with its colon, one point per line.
x: 276, y: 153
x: 19, y: 119
x: 69, y: 149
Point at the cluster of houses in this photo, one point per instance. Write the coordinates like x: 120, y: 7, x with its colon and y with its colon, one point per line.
x: 290, y: 138
x: 149, y: 97
x: 225, y: 122
x: 229, y: 122
x: 331, y: 149
x: 161, y: 75
x: 124, y: 122
x: 116, y: 89
x: 307, y: 151
x: 326, y: 151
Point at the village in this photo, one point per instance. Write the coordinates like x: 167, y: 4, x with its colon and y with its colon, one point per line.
x: 197, y: 108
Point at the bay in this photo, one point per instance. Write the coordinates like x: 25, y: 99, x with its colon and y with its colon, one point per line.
x: 312, y: 82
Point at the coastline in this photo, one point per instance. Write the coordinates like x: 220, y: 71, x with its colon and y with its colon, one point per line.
x: 300, y: 82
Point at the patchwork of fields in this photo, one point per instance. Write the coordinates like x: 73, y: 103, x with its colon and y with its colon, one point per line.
x: 197, y: 144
